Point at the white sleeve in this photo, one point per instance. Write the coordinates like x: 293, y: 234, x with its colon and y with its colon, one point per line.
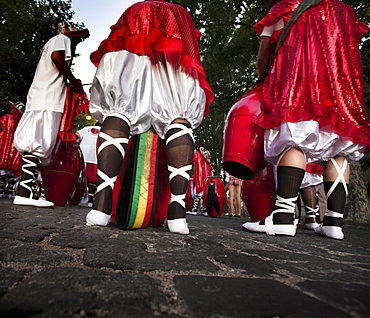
x: 269, y: 30
x: 63, y: 43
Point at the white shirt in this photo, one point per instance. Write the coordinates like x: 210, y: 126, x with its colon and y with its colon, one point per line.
x: 48, y: 89
x: 89, y: 137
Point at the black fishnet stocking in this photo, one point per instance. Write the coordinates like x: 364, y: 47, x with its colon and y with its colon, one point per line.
x: 179, y: 153
x: 110, y: 160
x: 309, y: 198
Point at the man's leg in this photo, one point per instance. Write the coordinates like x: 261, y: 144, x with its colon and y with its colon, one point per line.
x: 179, y: 155
x: 112, y: 145
x: 336, y: 178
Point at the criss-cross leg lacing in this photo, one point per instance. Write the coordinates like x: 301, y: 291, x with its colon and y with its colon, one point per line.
x: 179, y: 198
x: 113, y: 141
x: 29, y: 168
x: 184, y: 130
x: 26, y: 192
x: 278, y: 222
x: 281, y: 220
x: 333, y: 220
x: 179, y: 154
x: 109, y: 181
x: 339, y: 178
x: 311, y: 215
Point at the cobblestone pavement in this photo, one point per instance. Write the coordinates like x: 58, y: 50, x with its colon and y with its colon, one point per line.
x: 52, y: 265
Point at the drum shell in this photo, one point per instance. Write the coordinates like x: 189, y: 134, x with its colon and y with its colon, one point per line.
x: 259, y: 194
x: 59, y: 178
x: 243, y: 145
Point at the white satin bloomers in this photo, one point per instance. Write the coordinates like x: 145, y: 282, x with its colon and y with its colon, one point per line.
x: 150, y: 90
x: 318, y: 144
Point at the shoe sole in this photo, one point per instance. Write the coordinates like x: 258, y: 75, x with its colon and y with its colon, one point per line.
x: 18, y: 202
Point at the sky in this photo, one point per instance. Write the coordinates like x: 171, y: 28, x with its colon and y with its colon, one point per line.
x: 98, y: 16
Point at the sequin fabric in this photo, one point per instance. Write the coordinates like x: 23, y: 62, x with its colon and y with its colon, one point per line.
x: 317, y: 73
x: 160, y: 26
x: 10, y: 158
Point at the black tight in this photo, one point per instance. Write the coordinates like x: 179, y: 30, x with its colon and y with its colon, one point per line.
x: 179, y: 154
x: 109, y: 159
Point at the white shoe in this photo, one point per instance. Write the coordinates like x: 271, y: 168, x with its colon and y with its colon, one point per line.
x: 95, y: 217
x: 191, y: 213
x: 296, y: 222
x: 311, y: 226
x: 84, y: 201
x: 40, y: 203
x: 334, y: 232
x: 254, y: 227
x: 178, y: 226
x: 278, y: 229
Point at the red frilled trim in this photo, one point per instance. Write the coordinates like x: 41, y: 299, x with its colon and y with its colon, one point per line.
x: 315, y: 78
x: 160, y: 26
x: 314, y: 168
x: 330, y: 119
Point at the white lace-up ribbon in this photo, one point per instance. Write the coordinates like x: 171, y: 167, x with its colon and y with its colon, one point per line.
x: 117, y: 142
x: 286, y: 205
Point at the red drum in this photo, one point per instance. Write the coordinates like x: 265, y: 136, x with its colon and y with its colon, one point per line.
x: 189, y: 200
x: 61, y: 175
x: 163, y: 197
x: 214, y: 196
x: 79, y: 191
x: 259, y: 194
x: 243, y: 150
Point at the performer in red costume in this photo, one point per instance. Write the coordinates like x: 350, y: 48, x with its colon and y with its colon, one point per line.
x: 149, y: 74
x: 10, y: 158
x: 202, y: 170
x: 313, y: 106
x: 37, y: 131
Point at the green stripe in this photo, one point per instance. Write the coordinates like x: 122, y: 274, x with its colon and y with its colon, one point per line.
x: 137, y: 181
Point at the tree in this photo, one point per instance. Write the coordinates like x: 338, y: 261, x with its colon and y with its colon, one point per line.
x: 229, y: 48
x: 26, y: 25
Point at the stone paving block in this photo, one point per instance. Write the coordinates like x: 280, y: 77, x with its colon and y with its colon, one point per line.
x: 72, y: 291
x: 245, y: 297
x: 352, y: 297
x: 314, y: 267
x: 17, y: 251
x: 10, y: 276
x: 126, y: 256
x: 251, y: 265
